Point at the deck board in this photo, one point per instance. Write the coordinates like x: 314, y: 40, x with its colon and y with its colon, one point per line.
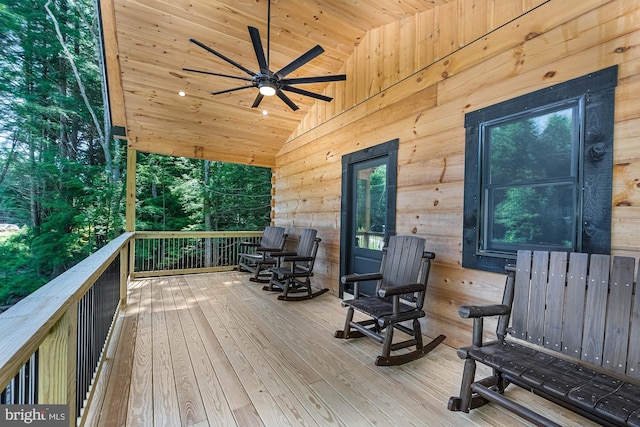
x: 141, y: 394
x: 165, y: 398
x: 214, y: 349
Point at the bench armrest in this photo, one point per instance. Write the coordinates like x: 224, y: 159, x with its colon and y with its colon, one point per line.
x: 399, y: 290
x: 478, y: 313
x: 475, y: 311
x: 350, y: 278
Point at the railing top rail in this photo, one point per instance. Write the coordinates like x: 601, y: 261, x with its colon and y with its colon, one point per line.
x: 25, y: 325
x: 203, y: 234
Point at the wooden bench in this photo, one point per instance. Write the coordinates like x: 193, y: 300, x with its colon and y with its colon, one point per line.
x: 567, y: 331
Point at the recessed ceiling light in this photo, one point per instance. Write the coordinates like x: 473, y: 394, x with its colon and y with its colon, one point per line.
x: 265, y: 112
x: 181, y: 93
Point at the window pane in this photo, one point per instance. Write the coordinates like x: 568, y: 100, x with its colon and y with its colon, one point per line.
x: 531, y: 215
x: 371, y: 207
x: 530, y: 180
x: 535, y: 148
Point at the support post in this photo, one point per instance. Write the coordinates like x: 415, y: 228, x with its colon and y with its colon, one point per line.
x: 57, y: 363
x: 130, y: 224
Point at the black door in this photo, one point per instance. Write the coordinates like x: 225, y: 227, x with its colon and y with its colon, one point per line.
x: 368, y: 210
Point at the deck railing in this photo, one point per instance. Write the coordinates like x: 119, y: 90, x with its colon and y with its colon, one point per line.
x: 160, y: 253
x: 52, y: 340
x: 370, y: 239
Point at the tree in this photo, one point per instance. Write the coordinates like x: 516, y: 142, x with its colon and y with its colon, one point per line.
x: 61, y: 177
x: 53, y: 151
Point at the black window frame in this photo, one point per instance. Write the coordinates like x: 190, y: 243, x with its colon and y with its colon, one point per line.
x: 594, y: 94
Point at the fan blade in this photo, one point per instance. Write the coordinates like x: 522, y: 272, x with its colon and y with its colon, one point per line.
x: 232, y: 90
x: 217, y: 74
x: 300, y: 61
x: 286, y: 100
x: 306, y: 93
x: 257, y: 101
x: 319, y: 79
x: 257, y: 46
x: 221, y: 56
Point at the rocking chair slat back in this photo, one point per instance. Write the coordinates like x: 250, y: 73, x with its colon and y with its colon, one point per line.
x: 307, y: 241
x: 273, y: 237
x: 401, y: 262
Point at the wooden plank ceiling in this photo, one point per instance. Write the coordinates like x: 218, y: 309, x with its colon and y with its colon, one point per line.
x: 147, y: 45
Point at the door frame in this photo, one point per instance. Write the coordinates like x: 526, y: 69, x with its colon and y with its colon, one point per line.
x: 389, y: 150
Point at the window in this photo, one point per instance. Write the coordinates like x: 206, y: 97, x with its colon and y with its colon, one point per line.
x: 538, y: 173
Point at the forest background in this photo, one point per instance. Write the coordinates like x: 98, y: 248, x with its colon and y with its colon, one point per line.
x: 62, y: 174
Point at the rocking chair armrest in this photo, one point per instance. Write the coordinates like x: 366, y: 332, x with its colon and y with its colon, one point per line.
x: 265, y: 249
x: 356, y: 277
x: 476, y: 311
x: 294, y: 258
x: 250, y: 244
x: 399, y: 290
x: 280, y: 254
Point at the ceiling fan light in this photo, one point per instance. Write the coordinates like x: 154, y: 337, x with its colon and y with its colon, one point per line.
x: 267, y: 89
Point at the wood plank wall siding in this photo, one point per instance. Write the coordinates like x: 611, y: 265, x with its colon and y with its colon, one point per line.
x: 415, y: 80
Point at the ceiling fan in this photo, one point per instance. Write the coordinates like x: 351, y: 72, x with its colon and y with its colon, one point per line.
x: 268, y: 82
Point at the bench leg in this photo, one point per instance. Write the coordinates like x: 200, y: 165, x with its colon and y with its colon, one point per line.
x: 468, y: 398
x: 468, y: 376
x: 464, y: 401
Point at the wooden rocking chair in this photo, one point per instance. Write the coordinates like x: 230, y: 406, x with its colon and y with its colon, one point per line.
x: 400, y: 293
x: 260, y: 259
x: 295, y: 269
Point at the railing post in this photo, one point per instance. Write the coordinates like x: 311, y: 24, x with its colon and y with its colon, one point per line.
x: 57, y: 363
x: 130, y: 211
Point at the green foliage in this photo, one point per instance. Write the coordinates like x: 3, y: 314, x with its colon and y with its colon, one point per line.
x: 240, y: 196
x: 178, y: 194
x: 17, y: 278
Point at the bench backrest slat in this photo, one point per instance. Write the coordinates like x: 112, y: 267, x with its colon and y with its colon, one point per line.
x: 537, y: 297
x: 520, y: 310
x: 555, y: 301
x: 574, y: 308
x: 618, y: 312
x: 633, y: 359
x: 594, y: 315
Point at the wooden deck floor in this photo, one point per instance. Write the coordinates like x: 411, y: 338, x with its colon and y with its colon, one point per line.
x: 214, y: 349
